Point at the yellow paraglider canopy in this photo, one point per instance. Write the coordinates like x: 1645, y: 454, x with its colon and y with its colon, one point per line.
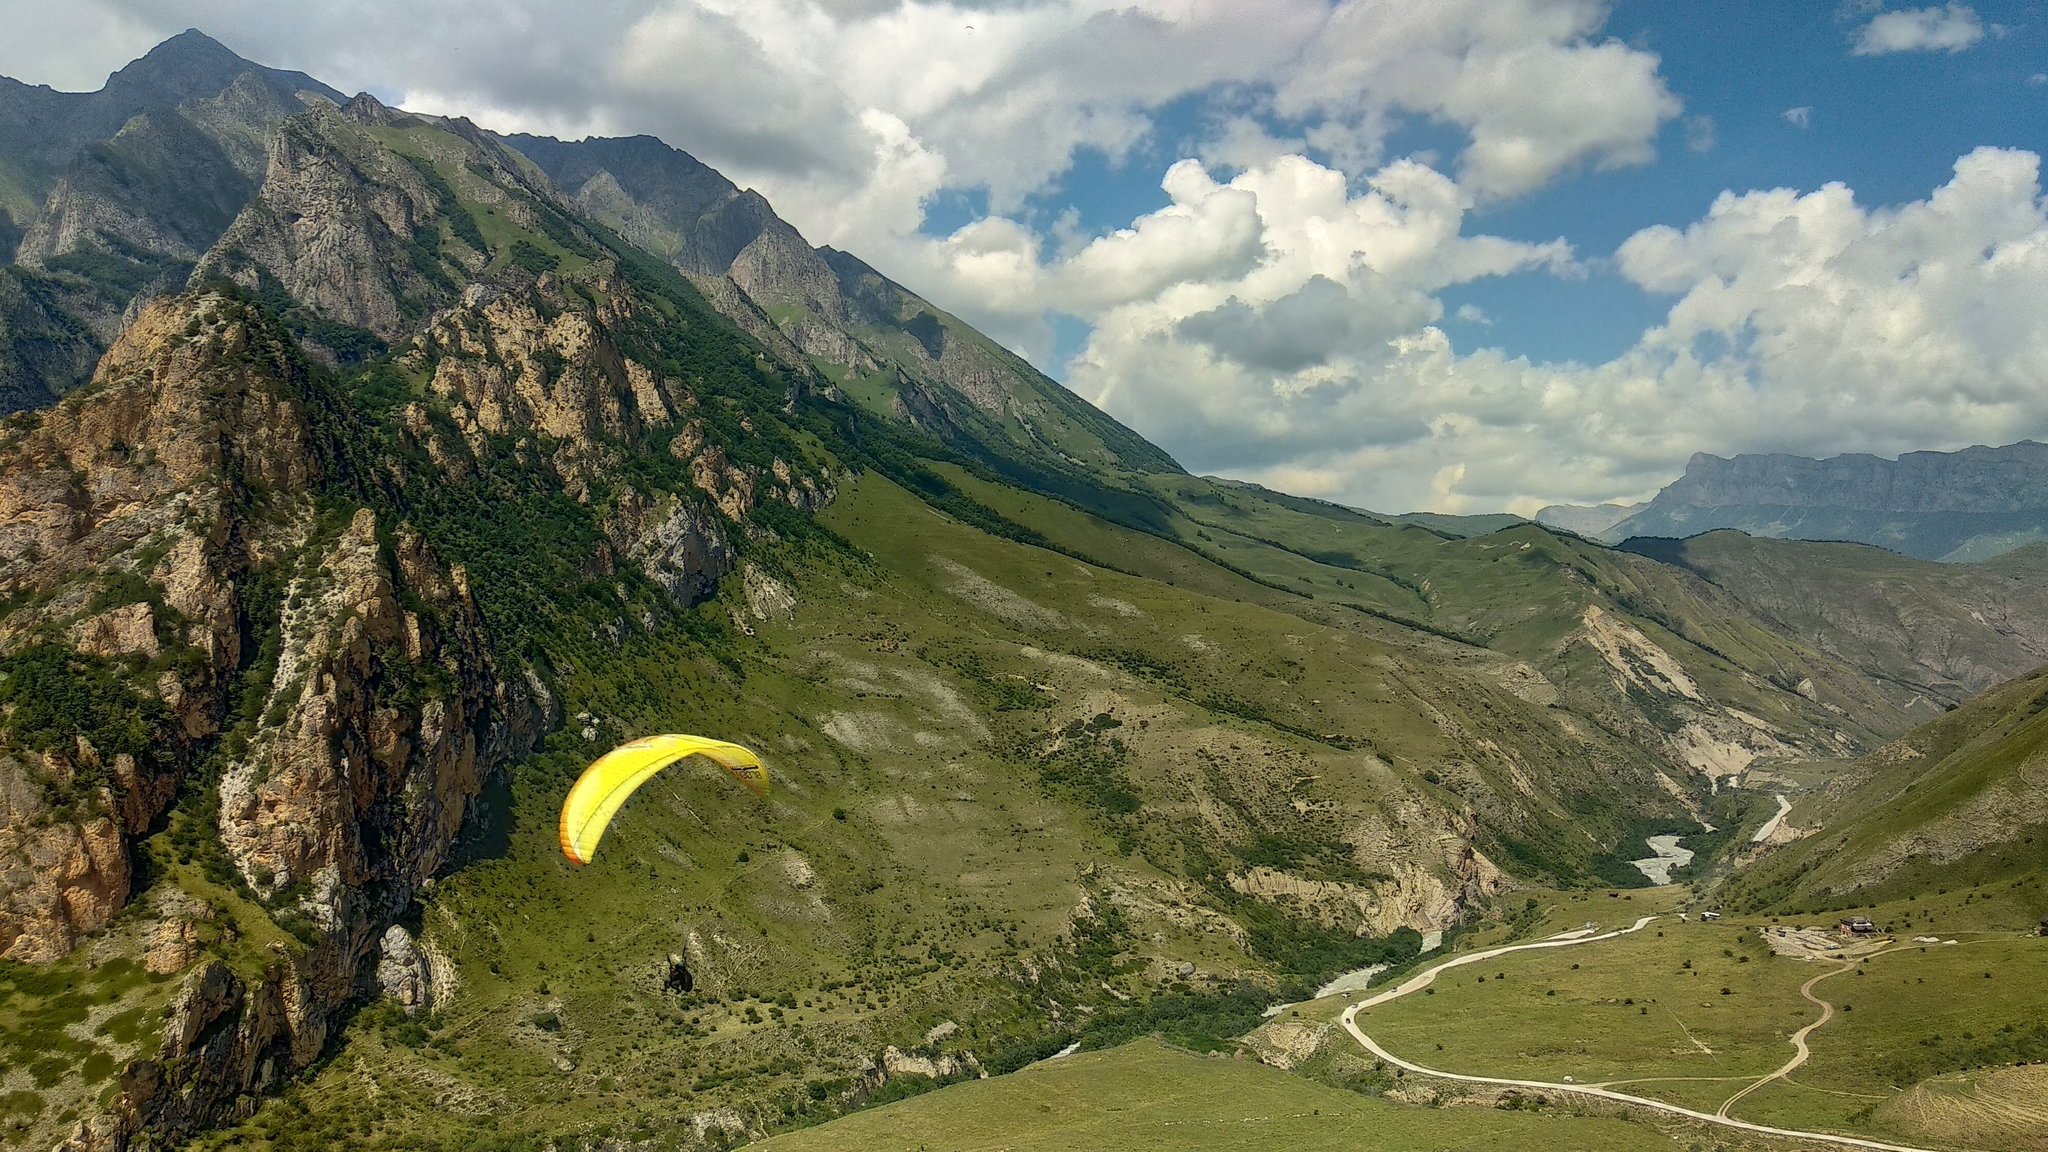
x: 605, y: 785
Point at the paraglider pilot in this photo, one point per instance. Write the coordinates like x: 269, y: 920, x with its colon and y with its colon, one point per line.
x: 679, y: 978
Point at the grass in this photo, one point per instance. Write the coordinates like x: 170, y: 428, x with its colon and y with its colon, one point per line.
x: 1915, y: 1015
x: 1147, y: 1096
x: 1639, y: 1011
x: 1133, y: 760
x: 1640, y: 1006
x: 1889, y: 819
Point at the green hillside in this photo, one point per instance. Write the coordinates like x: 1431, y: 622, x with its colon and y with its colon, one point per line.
x: 1956, y: 810
x: 1147, y: 1097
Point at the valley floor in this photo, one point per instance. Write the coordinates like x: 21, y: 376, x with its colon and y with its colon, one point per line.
x: 1145, y: 1096
x: 1911, y: 1041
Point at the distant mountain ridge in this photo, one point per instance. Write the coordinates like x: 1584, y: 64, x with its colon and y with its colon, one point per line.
x: 885, y: 347
x: 109, y: 198
x: 1951, y: 506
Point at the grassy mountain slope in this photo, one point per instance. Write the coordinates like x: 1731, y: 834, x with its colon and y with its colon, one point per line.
x: 1956, y: 803
x: 1145, y: 1096
x: 1947, y: 632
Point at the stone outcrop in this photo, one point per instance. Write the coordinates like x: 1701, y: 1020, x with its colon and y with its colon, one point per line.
x: 520, y: 363
x: 59, y: 879
x: 543, y: 361
x: 333, y: 223
x: 146, y: 476
x: 414, y: 972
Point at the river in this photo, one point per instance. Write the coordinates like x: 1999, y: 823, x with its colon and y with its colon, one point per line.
x: 1668, y: 856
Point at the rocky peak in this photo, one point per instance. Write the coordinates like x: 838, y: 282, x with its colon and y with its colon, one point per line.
x: 132, y: 185
x: 194, y: 64
x: 41, y: 130
x: 194, y: 410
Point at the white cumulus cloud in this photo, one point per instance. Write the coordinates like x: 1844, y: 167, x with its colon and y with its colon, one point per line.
x: 1941, y: 29
x: 1279, y: 318
x: 1801, y: 322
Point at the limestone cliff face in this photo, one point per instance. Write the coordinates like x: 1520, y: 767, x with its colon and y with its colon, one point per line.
x: 1960, y: 506
x: 542, y: 361
x: 189, y: 415
x: 544, y: 364
x: 337, y: 813
x: 353, y: 792
x: 58, y: 878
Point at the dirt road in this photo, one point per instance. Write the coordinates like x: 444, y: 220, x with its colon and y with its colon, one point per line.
x: 1425, y: 979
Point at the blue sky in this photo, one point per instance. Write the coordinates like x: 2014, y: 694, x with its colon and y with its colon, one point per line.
x: 1889, y: 126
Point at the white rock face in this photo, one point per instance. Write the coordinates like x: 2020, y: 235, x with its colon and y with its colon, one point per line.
x: 900, y: 1063
x: 404, y: 973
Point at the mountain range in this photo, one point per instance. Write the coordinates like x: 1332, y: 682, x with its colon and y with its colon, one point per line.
x: 369, y: 473
x: 1955, y: 507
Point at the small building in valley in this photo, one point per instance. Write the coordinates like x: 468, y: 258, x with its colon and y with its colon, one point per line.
x: 1857, y: 926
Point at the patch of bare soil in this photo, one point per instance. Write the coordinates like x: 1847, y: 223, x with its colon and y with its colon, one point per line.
x: 1819, y: 943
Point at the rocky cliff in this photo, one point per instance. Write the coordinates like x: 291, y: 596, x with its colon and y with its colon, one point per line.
x: 1958, y: 506
x: 187, y: 619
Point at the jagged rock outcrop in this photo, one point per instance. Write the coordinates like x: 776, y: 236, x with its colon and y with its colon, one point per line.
x: 349, y: 793
x: 543, y: 361
x: 224, y: 1037
x: 59, y: 878
x: 414, y: 972
x: 522, y: 362
x: 141, y: 485
x: 192, y: 409
x: 336, y: 223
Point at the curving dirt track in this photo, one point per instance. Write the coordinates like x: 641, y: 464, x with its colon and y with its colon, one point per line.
x: 1827, y: 1013
x: 1425, y: 979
